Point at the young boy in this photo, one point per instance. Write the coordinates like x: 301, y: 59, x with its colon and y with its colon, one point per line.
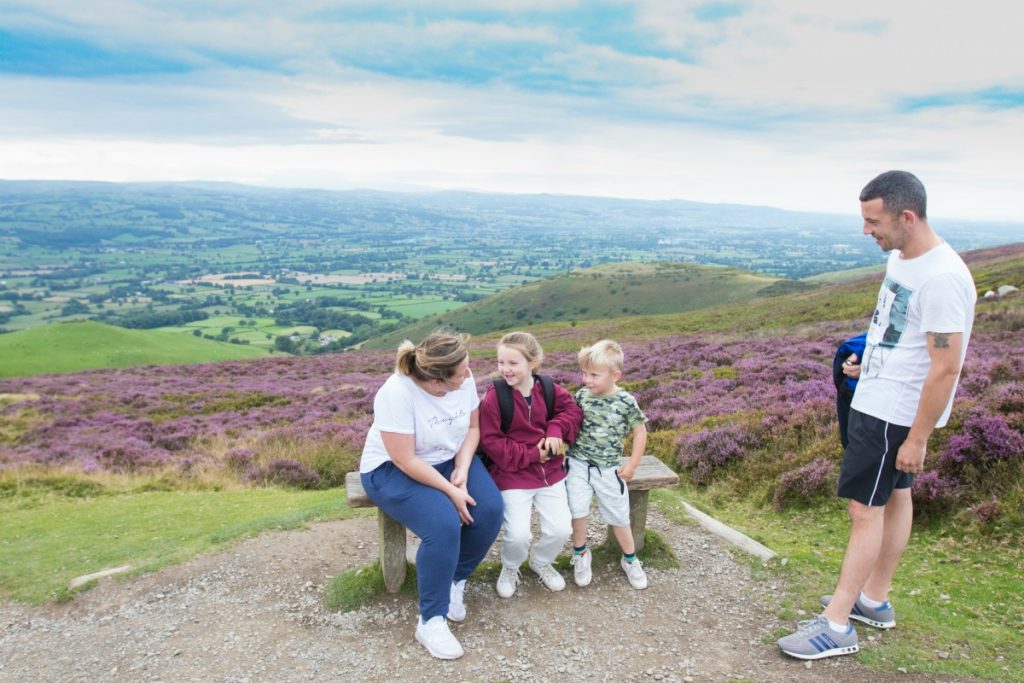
x: 609, y: 414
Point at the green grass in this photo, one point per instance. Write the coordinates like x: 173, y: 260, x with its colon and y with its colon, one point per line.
x: 361, y: 586
x: 957, y: 595
x: 55, y: 532
x: 69, y: 347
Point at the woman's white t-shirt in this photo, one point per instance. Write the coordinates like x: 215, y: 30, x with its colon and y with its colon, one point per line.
x: 439, y: 423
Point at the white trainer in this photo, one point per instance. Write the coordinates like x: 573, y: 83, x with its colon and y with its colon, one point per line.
x: 581, y: 573
x: 439, y: 641
x: 549, y: 576
x: 507, y: 582
x: 456, y: 601
x: 635, y: 573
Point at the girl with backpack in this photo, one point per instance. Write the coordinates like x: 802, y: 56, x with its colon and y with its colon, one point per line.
x: 527, y: 461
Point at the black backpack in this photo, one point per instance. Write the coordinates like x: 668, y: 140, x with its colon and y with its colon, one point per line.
x: 507, y: 406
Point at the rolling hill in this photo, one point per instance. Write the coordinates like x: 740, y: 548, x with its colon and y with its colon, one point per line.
x: 606, y: 291
x: 68, y: 347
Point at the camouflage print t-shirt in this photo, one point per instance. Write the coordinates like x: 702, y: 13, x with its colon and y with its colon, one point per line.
x: 607, y: 420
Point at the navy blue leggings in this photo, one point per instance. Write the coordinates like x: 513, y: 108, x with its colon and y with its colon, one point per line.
x: 449, y: 551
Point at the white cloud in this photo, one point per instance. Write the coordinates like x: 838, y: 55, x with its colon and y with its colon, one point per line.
x: 793, y: 104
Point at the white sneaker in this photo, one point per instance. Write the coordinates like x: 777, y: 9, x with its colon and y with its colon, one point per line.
x: 507, y: 582
x: 549, y: 576
x: 456, y: 601
x: 581, y: 568
x: 635, y: 573
x: 439, y: 641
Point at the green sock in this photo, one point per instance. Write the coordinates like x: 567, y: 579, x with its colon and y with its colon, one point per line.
x: 630, y: 557
x: 579, y: 551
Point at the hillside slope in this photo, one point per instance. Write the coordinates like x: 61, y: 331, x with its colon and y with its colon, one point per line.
x: 606, y: 291
x: 838, y: 303
x: 68, y: 347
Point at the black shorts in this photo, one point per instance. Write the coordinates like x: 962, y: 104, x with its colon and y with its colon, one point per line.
x: 868, y: 474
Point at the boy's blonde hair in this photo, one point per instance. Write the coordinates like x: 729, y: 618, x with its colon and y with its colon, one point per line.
x: 526, y: 344
x: 438, y: 356
x: 603, y: 354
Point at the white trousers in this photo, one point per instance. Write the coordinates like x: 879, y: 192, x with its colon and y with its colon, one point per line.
x: 555, y: 524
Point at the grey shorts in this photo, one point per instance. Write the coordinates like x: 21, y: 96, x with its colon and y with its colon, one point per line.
x: 585, y: 481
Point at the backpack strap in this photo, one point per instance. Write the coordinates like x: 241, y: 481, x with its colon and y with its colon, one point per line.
x: 506, y: 406
x: 548, y: 385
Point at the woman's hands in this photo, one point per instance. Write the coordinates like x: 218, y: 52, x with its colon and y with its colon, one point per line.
x: 400, y: 448
x: 462, y: 500
x: 460, y: 476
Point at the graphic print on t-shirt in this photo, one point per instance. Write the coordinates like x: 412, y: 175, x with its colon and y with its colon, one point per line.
x: 890, y: 319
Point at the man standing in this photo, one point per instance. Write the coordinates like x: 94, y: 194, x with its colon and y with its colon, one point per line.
x: 915, y: 348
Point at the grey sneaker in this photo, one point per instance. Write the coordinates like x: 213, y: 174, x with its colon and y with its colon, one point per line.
x: 457, y: 601
x: 549, y: 576
x: 507, y: 582
x: 816, y: 640
x: 879, y: 617
x: 581, y: 572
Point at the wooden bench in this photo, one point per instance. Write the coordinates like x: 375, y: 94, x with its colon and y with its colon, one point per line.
x: 651, y: 474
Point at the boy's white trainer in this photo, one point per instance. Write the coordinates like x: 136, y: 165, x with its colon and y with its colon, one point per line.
x: 581, y: 572
x: 635, y: 573
x: 439, y: 641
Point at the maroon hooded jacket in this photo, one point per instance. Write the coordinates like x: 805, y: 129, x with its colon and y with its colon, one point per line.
x: 515, y: 457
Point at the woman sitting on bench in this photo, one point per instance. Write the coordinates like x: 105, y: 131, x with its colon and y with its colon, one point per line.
x: 418, y: 467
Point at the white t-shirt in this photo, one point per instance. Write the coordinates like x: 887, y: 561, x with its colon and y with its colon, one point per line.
x: 931, y: 293
x: 440, y: 423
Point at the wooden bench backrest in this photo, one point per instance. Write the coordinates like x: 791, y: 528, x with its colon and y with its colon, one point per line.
x: 650, y: 474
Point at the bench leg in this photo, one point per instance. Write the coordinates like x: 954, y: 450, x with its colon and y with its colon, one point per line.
x: 392, y: 551
x: 637, y: 518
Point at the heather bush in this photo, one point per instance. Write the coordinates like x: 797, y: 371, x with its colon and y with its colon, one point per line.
x: 239, y: 459
x: 130, y: 455
x: 1008, y: 398
x: 802, y: 485
x: 933, y: 495
x: 986, y: 511
x: 284, y: 472
x: 705, y: 451
x: 985, y: 438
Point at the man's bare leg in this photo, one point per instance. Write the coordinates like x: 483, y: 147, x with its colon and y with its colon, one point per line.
x: 867, y: 525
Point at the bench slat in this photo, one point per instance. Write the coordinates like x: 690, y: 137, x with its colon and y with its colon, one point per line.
x: 357, y: 497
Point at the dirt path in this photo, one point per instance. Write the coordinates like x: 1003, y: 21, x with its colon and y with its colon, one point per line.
x: 255, y: 613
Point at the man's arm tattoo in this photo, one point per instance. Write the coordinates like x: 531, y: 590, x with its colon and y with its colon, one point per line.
x: 940, y: 340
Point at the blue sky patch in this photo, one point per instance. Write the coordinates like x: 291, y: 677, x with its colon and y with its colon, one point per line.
x: 991, y: 98
x: 51, y: 55
x: 718, y: 11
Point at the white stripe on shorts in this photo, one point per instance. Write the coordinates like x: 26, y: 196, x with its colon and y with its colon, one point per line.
x: 881, y: 465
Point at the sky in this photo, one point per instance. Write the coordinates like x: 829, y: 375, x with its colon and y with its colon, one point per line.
x: 793, y: 104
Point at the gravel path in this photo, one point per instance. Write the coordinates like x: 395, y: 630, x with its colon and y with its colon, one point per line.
x: 255, y: 613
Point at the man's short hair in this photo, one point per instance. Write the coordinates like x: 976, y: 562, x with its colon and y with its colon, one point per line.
x: 603, y: 354
x: 899, y: 191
